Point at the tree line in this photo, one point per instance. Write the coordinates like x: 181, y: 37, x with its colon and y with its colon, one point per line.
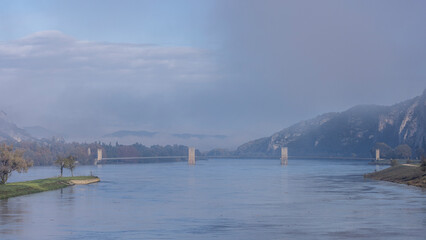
x: 46, y: 152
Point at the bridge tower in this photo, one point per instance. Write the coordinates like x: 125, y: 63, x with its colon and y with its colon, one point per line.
x: 99, y: 156
x: 191, y: 156
x: 284, y: 155
x: 377, y: 154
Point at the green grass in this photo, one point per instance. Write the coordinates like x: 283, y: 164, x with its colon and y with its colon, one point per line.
x: 23, y: 188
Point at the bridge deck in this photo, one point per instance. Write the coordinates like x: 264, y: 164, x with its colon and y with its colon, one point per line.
x: 240, y: 157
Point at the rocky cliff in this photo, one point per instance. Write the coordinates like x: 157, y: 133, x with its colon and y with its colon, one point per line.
x: 350, y: 133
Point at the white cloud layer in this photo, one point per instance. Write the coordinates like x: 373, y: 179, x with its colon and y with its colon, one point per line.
x: 49, y: 78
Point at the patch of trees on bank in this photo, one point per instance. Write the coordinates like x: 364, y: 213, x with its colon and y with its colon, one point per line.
x: 402, y: 151
x: 46, y: 152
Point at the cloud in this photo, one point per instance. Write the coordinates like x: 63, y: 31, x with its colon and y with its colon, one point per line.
x: 51, y: 78
x: 54, y: 52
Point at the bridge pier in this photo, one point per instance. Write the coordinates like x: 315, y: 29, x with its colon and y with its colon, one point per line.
x: 99, y: 156
x: 377, y: 154
x: 191, y: 156
x: 284, y: 155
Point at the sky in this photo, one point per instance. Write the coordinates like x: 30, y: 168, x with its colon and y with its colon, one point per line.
x: 244, y: 69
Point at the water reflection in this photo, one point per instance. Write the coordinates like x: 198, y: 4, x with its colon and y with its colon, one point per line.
x: 11, y: 213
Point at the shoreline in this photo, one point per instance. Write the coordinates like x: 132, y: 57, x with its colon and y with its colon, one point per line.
x: 408, y: 174
x: 16, y: 189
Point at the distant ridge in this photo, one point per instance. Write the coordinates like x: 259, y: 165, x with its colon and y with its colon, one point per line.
x: 350, y: 133
x: 126, y: 133
x: 142, y: 133
x: 199, y: 136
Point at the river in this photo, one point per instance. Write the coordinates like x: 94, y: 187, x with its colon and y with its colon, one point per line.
x: 219, y: 199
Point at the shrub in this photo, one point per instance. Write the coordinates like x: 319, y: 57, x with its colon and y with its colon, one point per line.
x: 423, y: 163
x: 394, y: 162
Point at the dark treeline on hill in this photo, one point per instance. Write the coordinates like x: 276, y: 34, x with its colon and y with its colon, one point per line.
x: 45, y: 152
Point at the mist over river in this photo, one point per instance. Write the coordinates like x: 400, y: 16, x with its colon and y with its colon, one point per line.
x: 219, y: 199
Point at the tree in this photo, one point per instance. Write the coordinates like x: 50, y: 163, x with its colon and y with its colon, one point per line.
x: 11, y: 160
x: 70, y: 163
x: 61, y: 162
x: 402, y: 151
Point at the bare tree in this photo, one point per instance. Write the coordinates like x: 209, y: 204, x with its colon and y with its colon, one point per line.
x: 61, y: 162
x: 70, y: 163
x: 11, y: 160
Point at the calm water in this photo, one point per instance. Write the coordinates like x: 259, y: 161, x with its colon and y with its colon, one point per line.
x: 219, y: 199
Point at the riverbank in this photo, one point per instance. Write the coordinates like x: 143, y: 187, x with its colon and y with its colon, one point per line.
x: 405, y: 174
x: 41, y: 185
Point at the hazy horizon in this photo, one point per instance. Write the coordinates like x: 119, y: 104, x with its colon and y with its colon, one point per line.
x: 244, y: 69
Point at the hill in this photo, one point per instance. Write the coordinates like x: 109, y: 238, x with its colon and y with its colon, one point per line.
x: 10, y: 132
x: 125, y: 133
x: 350, y: 133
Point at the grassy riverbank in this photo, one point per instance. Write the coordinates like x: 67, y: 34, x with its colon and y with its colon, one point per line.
x: 22, y: 188
x: 405, y: 174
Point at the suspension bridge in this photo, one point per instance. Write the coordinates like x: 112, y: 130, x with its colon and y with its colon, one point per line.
x: 191, y: 157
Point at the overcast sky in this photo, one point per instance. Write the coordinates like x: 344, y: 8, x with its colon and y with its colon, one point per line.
x: 243, y: 68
